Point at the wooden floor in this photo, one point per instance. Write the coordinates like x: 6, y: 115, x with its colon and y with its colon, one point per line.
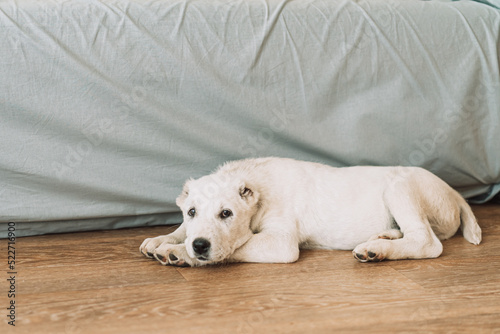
x: 98, y: 282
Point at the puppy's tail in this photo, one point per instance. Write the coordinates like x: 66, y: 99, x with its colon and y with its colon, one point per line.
x: 468, y: 223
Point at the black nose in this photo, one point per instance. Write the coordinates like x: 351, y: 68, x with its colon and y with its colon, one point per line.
x: 201, y: 246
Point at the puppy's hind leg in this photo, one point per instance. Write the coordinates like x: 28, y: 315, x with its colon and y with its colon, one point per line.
x: 418, y: 240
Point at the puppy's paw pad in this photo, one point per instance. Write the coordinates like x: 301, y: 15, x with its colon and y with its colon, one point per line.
x: 367, y: 256
x: 360, y: 257
x: 374, y: 257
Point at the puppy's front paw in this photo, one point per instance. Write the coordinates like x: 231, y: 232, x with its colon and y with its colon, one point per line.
x: 175, y: 255
x: 149, y: 245
x: 371, y: 251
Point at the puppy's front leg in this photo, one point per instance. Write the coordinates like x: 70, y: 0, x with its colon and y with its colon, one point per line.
x: 266, y: 247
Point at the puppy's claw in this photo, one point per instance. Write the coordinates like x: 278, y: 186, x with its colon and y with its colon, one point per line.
x: 161, y: 258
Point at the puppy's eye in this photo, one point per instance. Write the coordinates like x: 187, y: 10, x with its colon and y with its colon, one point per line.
x: 226, y: 213
x: 191, y: 212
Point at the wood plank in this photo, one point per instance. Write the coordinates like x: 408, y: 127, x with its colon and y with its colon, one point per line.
x: 97, y: 282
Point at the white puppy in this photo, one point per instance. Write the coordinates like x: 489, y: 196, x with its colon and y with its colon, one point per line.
x: 264, y: 210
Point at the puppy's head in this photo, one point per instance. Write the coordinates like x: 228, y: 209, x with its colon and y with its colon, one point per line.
x: 217, y: 215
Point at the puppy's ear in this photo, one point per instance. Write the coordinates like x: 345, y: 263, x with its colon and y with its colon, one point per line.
x: 184, y: 194
x: 248, y: 194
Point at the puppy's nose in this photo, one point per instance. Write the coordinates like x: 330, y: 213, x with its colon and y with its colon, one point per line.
x: 201, y: 246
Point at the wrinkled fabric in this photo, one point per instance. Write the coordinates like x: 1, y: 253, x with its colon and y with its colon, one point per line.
x: 492, y: 3
x: 106, y: 107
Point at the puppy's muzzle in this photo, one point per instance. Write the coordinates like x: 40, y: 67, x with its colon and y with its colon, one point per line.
x: 201, y: 248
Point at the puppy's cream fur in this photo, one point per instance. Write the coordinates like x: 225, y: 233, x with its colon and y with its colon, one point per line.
x: 280, y: 205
